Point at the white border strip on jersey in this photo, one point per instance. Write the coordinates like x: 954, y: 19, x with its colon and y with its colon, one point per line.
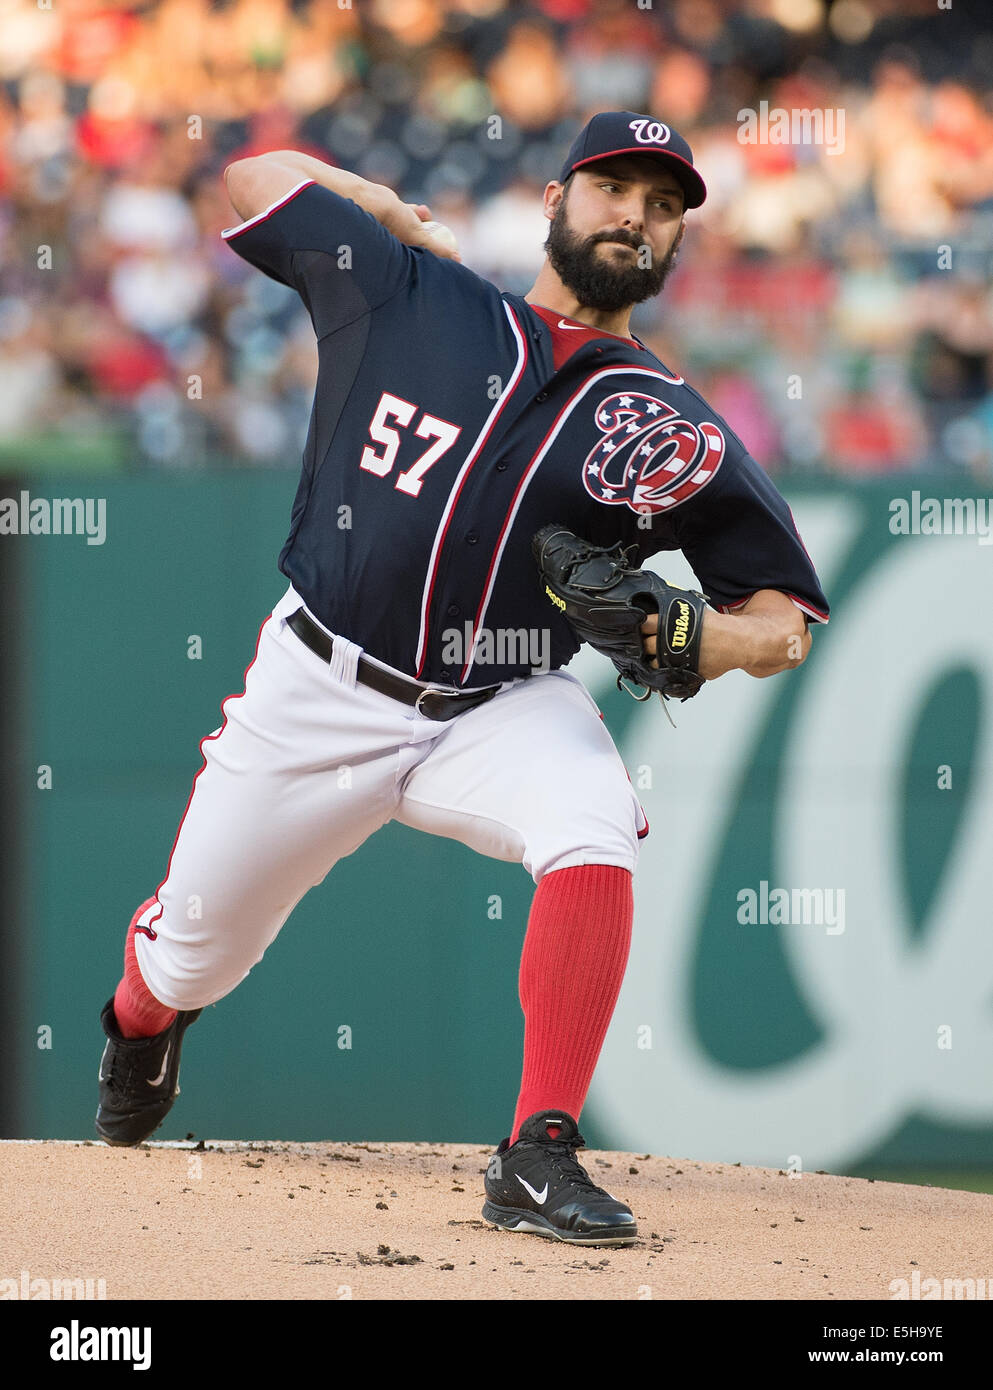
x: 532, y: 468
x: 817, y: 614
x: 807, y: 608
x: 481, y: 438
x: 229, y: 232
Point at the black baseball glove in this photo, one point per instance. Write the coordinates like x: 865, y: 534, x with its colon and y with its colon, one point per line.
x: 605, y: 601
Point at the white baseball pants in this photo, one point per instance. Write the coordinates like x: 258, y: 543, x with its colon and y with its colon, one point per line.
x: 308, y: 763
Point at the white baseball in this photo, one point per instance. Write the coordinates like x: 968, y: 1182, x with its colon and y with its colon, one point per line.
x: 442, y: 234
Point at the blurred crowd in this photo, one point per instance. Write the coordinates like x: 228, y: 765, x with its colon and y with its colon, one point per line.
x: 832, y: 301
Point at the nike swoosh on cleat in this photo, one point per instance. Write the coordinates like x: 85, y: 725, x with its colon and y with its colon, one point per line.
x: 539, y: 1197
x: 165, y: 1062
x: 102, y: 1056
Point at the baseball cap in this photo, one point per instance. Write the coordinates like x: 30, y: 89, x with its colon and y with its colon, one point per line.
x: 627, y: 132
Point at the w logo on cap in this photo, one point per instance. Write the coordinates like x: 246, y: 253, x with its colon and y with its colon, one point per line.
x: 610, y: 133
x: 650, y: 132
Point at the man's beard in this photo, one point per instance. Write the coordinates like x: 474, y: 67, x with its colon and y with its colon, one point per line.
x: 599, y: 283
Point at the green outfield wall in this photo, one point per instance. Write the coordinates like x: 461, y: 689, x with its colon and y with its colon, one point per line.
x: 858, y: 1030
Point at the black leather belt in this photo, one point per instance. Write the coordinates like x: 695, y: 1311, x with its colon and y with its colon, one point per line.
x: 432, y: 703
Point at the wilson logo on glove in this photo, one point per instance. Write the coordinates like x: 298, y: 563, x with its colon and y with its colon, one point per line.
x: 679, y: 626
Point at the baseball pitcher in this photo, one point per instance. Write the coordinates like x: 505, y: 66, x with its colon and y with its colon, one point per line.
x: 483, y: 477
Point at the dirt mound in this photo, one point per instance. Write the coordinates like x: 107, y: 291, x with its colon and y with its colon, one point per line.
x: 297, y: 1221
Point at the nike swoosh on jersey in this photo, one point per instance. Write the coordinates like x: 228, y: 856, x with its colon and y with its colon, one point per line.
x: 576, y: 327
x: 539, y: 1197
x: 161, y: 1076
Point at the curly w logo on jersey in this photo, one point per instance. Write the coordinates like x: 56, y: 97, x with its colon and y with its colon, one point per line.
x: 648, y: 458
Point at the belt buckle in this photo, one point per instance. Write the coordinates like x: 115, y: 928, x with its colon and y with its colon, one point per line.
x: 433, y: 690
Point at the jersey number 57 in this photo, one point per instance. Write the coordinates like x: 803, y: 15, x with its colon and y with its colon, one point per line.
x: 443, y: 432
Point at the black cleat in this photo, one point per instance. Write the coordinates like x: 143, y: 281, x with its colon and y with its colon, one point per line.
x: 537, y: 1185
x: 139, y: 1079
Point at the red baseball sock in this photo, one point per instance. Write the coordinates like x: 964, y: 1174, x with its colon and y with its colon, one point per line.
x: 575, y: 953
x: 139, y: 1014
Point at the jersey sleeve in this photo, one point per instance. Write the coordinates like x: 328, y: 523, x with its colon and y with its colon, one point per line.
x: 338, y: 258
x: 739, y: 536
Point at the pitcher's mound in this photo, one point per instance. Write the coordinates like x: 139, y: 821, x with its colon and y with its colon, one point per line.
x: 274, y: 1220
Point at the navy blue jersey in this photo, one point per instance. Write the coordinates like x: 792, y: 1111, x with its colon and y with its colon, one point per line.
x: 449, y: 424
